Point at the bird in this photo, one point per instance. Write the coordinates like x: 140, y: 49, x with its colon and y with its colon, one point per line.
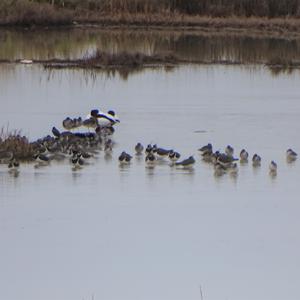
x: 225, y: 159
x: 161, y: 152
x: 68, y: 123
x: 125, y: 158
x: 273, y: 168
x: 77, y: 160
x: 13, y: 164
x: 291, y: 155
x: 213, y: 157
x: 229, y: 150
x: 150, y: 159
x: 174, y: 156
x: 139, y: 148
x: 77, y: 122
x: 128, y: 158
x: 41, y: 159
x: 244, y: 156
x: 107, y: 119
x: 256, y: 160
x: 186, y: 163
x: 149, y: 149
x: 208, y: 156
x: 90, y: 123
x: 112, y: 114
x: 206, y: 148
x: 55, y: 132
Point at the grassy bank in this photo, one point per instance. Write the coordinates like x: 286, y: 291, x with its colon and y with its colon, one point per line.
x: 263, y: 15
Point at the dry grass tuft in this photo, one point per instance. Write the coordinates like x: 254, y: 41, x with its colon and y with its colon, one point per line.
x: 14, y: 142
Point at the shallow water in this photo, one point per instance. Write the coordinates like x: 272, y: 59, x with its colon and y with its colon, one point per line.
x: 106, y: 232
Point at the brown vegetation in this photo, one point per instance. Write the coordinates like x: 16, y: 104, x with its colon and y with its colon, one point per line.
x: 214, y: 8
x: 205, y: 13
x: 17, y: 144
x: 28, y: 13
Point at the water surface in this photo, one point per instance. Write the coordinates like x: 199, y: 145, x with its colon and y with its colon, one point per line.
x: 106, y: 232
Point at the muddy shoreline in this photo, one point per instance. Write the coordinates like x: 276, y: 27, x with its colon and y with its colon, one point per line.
x: 137, y: 61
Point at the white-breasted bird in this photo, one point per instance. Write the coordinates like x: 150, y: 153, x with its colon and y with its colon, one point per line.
x: 256, y: 160
x: 244, y: 156
x: 229, y: 150
x: 291, y: 155
x: 139, y: 148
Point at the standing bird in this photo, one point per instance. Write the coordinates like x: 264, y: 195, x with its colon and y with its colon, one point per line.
x: 139, y: 148
x: 256, y: 160
x: 244, y: 156
x: 229, y: 150
x: 273, y: 168
x: 291, y: 155
x: 55, y: 132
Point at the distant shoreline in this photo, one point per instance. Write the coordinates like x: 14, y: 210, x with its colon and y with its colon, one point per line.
x: 283, y: 26
x: 228, y: 29
x: 128, y: 62
x: 281, y: 18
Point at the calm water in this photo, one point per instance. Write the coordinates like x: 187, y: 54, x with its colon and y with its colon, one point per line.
x: 75, y: 43
x: 106, y: 232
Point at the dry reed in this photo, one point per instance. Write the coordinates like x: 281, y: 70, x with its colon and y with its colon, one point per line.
x: 17, y: 144
x: 151, y: 12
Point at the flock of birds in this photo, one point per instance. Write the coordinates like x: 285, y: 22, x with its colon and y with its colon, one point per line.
x: 81, y: 146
